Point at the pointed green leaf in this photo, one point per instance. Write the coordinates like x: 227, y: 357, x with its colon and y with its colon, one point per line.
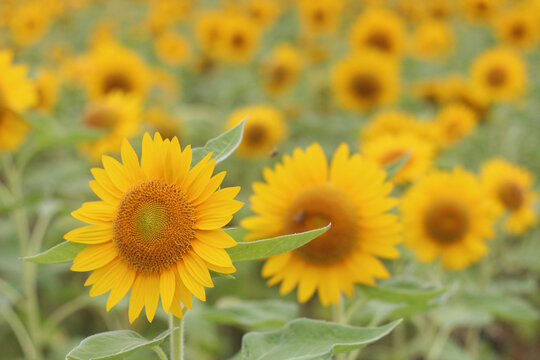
x: 114, y: 345
x: 221, y: 146
x: 261, y: 249
x: 62, y: 253
x: 306, y: 339
x: 395, y: 166
x: 403, y: 290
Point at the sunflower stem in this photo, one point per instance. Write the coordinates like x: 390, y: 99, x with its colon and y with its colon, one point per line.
x: 160, y: 353
x: 177, y: 338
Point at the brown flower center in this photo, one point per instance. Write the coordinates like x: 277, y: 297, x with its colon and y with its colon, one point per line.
x: 101, y: 116
x: 153, y: 227
x: 117, y: 81
x: 496, y: 77
x: 446, y: 220
x: 365, y: 86
x: 518, y: 31
x: 317, y: 207
x: 380, y: 41
x: 238, y: 40
x: 278, y: 74
x: 255, y: 134
x: 511, y: 195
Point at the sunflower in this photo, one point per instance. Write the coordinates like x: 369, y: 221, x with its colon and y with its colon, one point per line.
x: 47, y: 84
x: 282, y: 70
x: 13, y: 129
x: 432, y: 39
x: 364, y: 81
x: 209, y: 31
x: 518, y: 27
x: 501, y: 73
x: 305, y: 192
x: 163, y: 122
x: 263, y: 12
x: 481, y: 10
x: 172, y: 48
x: 386, y: 149
x: 263, y: 132
x: 440, y: 10
x: 454, y: 122
x: 448, y: 214
x: 113, y: 67
x: 118, y: 115
x: 240, y: 38
x: 457, y: 89
x: 29, y: 23
x: 510, y: 186
x: 164, y: 14
x: 157, y: 230
x: 380, y: 30
x: 394, y: 122
x: 320, y: 16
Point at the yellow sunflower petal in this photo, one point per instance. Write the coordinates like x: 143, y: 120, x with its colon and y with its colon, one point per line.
x: 167, y: 287
x: 94, y: 256
x: 93, y: 234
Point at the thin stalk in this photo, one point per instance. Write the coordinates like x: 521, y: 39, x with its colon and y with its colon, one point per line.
x: 160, y: 353
x: 27, y: 345
x: 338, y: 316
x: 65, y: 311
x: 177, y: 338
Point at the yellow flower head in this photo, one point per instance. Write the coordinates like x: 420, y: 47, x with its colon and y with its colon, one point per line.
x: 47, y: 84
x: 263, y: 12
x: 518, y: 27
x: 432, y: 39
x: 239, y: 38
x: 448, y: 214
x: 265, y: 129
x: 363, y: 81
x: 164, y: 14
x: 282, y: 69
x: 118, y: 115
x: 164, y: 123
x: 510, y: 186
x: 17, y: 93
x: 393, y: 122
x: 481, y: 10
x: 386, y: 149
x: 156, y: 229
x: 454, y: 122
x: 29, y: 23
x: 113, y: 67
x: 304, y: 192
x: 171, y: 48
x: 320, y: 16
x: 209, y: 31
x: 380, y: 30
x: 500, y: 73
x: 13, y: 129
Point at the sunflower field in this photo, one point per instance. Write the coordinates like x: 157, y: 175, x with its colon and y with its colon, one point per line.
x: 269, y: 179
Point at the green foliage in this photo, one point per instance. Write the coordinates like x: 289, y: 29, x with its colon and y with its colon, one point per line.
x: 221, y: 146
x: 403, y: 290
x: 309, y: 339
x: 62, y: 253
x: 114, y: 345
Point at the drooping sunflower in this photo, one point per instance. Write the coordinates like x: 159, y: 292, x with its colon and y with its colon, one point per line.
x: 510, y: 186
x: 432, y: 39
x: 448, y: 214
x: 386, y: 149
x: 47, y: 83
x: 17, y: 94
x: 481, y: 11
x: 454, y: 122
x: 29, y: 22
x: 282, y: 70
x: 319, y: 16
x: 118, y: 115
x: 156, y: 229
x: 112, y: 67
x: 500, y: 73
x: 172, y: 48
x: 380, y: 30
x: 518, y: 27
x: 304, y: 192
x: 363, y: 81
x: 263, y: 132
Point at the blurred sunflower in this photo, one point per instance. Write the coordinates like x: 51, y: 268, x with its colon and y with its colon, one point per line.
x: 47, y: 83
x: 263, y: 132
x: 209, y: 31
x: 17, y: 94
x: 395, y: 122
x: 320, y: 16
x: 263, y: 12
x: 239, y: 38
x: 465, y: 92
x: 305, y: 192
x: 510, y: 186
x: 448, y: 214
x: 156, y: 230
x: 164, y: 14
x: 282, y: 70
x: 29, y: 22
x: 112, y: 67
x: 500, y: 73
x: 363, y: 81
x: 454, y: 122
x: 163, y: 123
x: 380, y: 30
x: 172, y: 48
x: 432, y: 39
x: 440, y: 10
x: 386, y: 149
x: 518, y: 27
x: 481, y: 10
x: 118, y: 115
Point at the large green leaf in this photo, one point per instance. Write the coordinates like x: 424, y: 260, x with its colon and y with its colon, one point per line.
x: 403, y: 290
x: 306, y: 339
x: 62, y: 253
x: 261, y: 249
x: 251, y: 314
x: 114, y: 345
x: 221, y: 146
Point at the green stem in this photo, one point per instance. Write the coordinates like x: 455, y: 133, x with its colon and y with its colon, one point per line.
x: 177, y: 338
x: 28, y: 347
x: 65, y: 311
x: 160, y: 353
x: 438, y: 343
x: 338, y: 316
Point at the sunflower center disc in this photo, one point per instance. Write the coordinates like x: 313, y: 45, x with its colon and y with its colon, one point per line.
x: 255, y: 134
x: 496, y: 77
x: 153, y: 227
x: 379, y: 41
x: 365, y: 86
x: 117, y: 81
x: 446, y: 220
x: 511, y: 195
x: 315, y: 208
x: 518, y: 31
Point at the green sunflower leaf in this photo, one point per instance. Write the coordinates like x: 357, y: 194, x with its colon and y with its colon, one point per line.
x: 62, y: 253
x: 261, y: 249
x: 114, y: 345
x: 308, y: 339
x: 392, y: 168
x: 403, y: 290
x: 222, y: 146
